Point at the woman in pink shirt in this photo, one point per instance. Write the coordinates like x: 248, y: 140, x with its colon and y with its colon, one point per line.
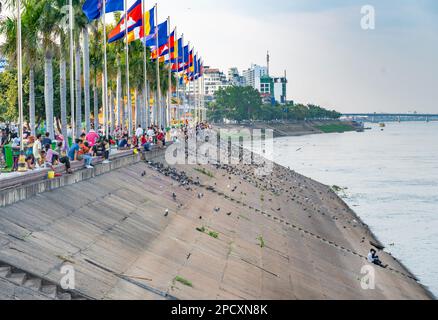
x: 92, y: 137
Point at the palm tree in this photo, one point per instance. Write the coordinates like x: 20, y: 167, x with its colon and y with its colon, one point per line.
x: 86, y: 56
x: 96, y: 60
x: 29, y: 32
x: 48, y: 29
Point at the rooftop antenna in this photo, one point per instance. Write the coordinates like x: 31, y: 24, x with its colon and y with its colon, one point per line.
x: 267, y: 60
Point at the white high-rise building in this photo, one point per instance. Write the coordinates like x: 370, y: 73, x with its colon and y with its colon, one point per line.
x: 252, y: 75
x: 235, y: 78
x: 214, y: 79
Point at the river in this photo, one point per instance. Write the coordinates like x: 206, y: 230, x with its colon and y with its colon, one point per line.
x: 392, y: 181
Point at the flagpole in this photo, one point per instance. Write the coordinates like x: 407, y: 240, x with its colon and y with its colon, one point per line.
x: 128, y: 90
x: 22, y: 160
x: 185, y: 100
x: 178, y: 105
x: 169, y: 75
x: 105, y: 75
x: 145, y: 75
x: 195, y: 85
x: 103, y: 102
x: 72, y: 85
x: 157, y: 63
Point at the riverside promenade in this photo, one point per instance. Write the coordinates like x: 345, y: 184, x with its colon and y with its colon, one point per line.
x: 137, y: 229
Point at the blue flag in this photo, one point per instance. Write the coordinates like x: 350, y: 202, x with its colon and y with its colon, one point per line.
x: 93, y: 9
x: 162, y: 36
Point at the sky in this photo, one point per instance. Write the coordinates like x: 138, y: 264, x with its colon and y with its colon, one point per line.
x: 329, y: 59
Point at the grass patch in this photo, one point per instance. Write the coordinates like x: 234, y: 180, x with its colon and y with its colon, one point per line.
x: 336, y: 128
x: 261, y: 242
x: 202, y: 229
x: 183, y: 281
x: 211, y: 233
x: 204, y: 171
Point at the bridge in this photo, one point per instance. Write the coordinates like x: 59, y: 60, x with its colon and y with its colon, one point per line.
x: 391, y: 117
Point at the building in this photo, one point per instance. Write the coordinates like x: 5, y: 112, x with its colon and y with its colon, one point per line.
x: 253, y: 75
x: 235, y: 79
x: 214, y: 80
x: 273, y: 90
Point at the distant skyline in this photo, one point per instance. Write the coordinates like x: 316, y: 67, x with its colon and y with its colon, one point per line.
x: 330, y: 60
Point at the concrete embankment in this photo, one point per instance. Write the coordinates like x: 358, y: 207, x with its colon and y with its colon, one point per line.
x: 145, y: 231
x: 295, y: 128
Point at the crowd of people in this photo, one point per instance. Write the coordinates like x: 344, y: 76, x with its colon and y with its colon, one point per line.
x: 43, y: 152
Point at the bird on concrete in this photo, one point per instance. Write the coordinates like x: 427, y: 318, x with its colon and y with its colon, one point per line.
x: 217, y: 209
x: 174, y: 196
x: 166, y: 213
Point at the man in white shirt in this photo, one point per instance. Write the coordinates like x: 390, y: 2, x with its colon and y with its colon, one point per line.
x: 36, y: 150
x: 139, y: 132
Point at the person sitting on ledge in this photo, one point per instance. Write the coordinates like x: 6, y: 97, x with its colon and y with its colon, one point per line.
x: 123, y: 144
x: 374, y: 258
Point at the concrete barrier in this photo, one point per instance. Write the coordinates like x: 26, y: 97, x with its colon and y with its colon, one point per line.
x: 32, y: 183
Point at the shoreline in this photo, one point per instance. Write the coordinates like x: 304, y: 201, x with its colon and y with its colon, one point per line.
x: 295, y: 128
x: 282, y: 236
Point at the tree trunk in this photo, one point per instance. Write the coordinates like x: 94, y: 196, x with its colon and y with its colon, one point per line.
x: 111, y: 112
x: 63, y: 94
x: 32, y: 100
x: 78, y: 91
x: 129, y: 107
x: 148, y: 111
x: 119, y: 93
x: 96, y: 104
x: 86, y: 54
x: 136, y: 108
x: 48, y: 93
x: 125, y: 114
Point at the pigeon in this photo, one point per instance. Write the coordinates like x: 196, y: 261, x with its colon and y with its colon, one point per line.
x: 229, y: 213
x: 174, y: 196
x: 166, y: 213
x: 217, y: 209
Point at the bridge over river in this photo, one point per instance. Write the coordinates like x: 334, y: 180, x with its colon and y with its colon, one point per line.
x: 388, y: 117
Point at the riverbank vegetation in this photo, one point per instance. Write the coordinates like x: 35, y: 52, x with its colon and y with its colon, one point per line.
x: 244, y: 103
x: 335, y: 128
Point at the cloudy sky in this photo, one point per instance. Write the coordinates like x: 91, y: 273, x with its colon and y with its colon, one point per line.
x: 330, y: 60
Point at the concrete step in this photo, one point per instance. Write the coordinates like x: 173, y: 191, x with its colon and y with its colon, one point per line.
x: 17, y: 278
x: 64, y: 296
x: 34, y: 284
x: 50, y: 290
x: 5, y: 271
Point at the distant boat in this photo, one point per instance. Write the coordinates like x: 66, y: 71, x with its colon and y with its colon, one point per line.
x: 382, y: 125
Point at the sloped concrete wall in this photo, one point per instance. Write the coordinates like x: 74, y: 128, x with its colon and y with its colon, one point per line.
x: 26, y: 190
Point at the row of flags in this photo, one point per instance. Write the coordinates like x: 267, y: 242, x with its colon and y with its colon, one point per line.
x: 165, y: 45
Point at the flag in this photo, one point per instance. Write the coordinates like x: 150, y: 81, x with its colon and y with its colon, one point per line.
x: 191, y: 68
x: 146, y: 29
x: 184, y: 63
x: 134, y: 20
x: 162, y: 36
x: 93, y: 9
x: 163, y: 43
x: 173, y: 47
